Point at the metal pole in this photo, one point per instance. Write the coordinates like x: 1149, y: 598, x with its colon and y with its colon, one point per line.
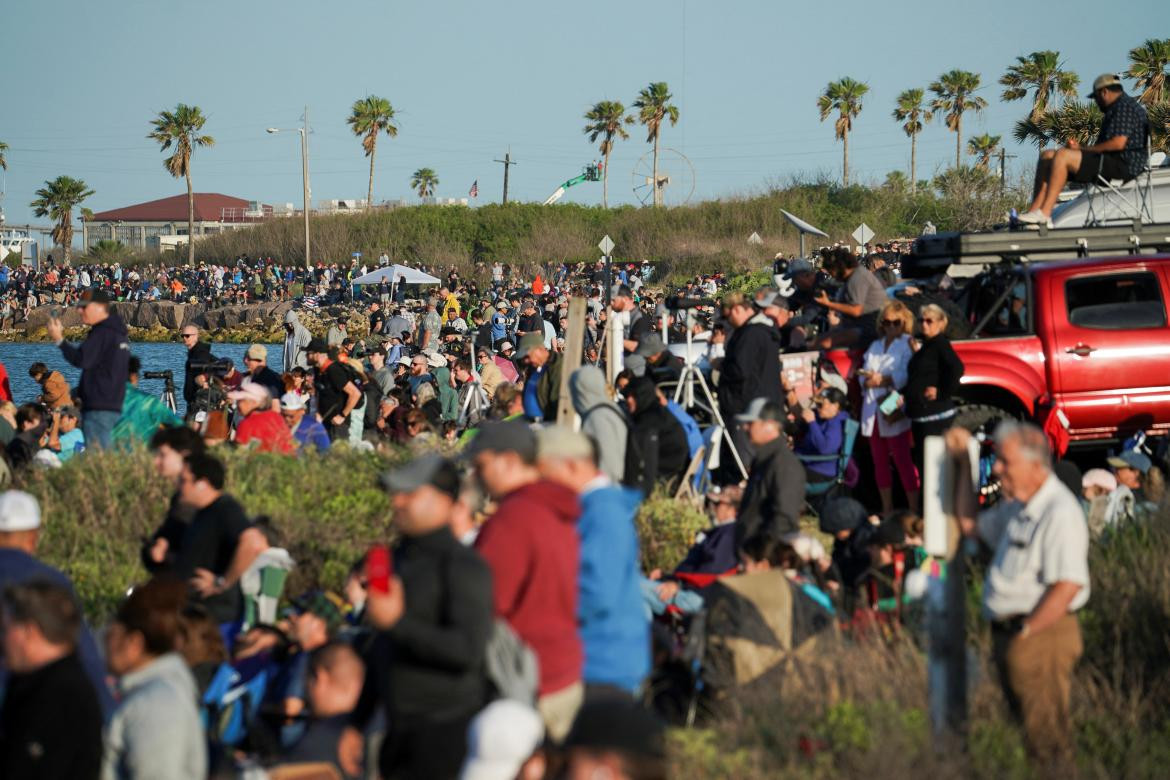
x: 305, y: 180
x: 507, y: 165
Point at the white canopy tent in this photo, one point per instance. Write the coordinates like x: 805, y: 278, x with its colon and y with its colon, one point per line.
x: 392, y: 274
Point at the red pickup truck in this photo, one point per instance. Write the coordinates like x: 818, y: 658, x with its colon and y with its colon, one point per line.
x: 1089, y: 337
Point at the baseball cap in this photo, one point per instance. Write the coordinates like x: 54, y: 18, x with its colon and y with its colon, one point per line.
x: 294, y: 402
x: 835, y: 380
x: 650, y: 345
x: 500, y: 739
x: 317, y: 345
x: 93, y: 296
x: 257, y: 352
x: 1099, y: 478
x: 19, y: 511
x: 798, y: 266
x: 528, y: 342
x: 325, y: 604
x: 761, y: 409
x: 771, y: 298
x: 431, y: 469
x: 505, y: 436
x: 556, y: 441
x: 250, y: 391
x: 1105, y: 80
x: 1130, y: 459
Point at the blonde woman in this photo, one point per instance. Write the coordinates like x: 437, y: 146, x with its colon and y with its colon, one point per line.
x: 884, y: 371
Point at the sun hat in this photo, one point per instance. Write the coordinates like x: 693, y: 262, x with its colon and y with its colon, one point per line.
x: 257, y: 352
x: 500, y: 739
x: 294, y: 402
x: 250, y: 391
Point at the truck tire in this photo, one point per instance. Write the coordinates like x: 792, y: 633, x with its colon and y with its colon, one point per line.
x: 976, y: 417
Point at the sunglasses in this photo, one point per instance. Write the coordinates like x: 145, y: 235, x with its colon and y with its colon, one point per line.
x: 186, y: 335
x: 888, y: 323
x: 926, y: 320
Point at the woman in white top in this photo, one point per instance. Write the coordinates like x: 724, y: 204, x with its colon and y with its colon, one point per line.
x: 883, y: 370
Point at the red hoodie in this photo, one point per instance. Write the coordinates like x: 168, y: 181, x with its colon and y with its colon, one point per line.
x: 530, y: 544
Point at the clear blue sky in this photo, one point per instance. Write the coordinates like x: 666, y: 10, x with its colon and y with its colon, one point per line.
x: 81, y: 81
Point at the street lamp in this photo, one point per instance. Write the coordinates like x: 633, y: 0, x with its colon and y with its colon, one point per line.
x: 304, y: 131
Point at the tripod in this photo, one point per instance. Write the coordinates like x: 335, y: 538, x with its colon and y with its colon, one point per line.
x: 476, y: 403
x: 685, y: 390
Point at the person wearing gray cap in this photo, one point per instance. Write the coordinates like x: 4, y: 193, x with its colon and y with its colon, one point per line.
x: 774, y: 497
x: 436, y: 617
x: 1121, y: 150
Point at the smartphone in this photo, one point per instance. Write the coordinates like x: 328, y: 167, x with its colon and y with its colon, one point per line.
x: 379, y: 567
x: 889, y: 404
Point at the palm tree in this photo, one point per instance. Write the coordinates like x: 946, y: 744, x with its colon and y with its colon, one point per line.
x: 368, y: 117
x: 1041, y: 71
x: 1074, y: 120
x: 653, y: 106
x: 605, y: 122
x: 955, y: 95
x: 424, y: 181
x: 914, y: 115
x: 1147, y: 68
x: 844, y: 97
x: 181, y: 128
x: 56, y: 200
x: 3, y: 155
x: 983, y: 147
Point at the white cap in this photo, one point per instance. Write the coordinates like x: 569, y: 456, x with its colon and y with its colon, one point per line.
x: 19, y: 511
x: 293, y: 402
x: 250, y: 391
x: 500, y: 739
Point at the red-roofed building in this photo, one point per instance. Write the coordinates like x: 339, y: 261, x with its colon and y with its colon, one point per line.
x: 142, y: 225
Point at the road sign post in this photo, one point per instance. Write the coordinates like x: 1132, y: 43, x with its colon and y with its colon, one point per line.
x: 606, y: 247
x: 863, y: 234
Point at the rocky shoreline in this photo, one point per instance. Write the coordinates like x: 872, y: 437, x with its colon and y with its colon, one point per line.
x: 160, y: 321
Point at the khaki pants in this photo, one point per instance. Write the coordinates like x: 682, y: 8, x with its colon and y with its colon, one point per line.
x: 559, y: 709
x: 1036, y: 675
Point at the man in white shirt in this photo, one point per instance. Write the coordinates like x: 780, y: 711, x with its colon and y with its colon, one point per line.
x: 1037, y: 580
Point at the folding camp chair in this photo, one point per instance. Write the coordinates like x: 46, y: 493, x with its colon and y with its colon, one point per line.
x: 1127, y: 200
x: 816, y: 492
x: 697, y: 479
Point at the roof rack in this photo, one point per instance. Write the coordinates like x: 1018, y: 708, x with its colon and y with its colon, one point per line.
x: 935, y: 253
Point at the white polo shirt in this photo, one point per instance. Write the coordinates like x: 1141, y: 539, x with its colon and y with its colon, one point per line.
x: 1036, y: 545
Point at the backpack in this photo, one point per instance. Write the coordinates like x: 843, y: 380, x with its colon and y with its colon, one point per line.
x: 510, y: 664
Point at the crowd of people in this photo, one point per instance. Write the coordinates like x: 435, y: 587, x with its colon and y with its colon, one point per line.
x: 511, y: 630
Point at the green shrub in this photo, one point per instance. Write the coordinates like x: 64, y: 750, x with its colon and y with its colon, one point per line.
x: 99, y: 508
x: 666, y: 529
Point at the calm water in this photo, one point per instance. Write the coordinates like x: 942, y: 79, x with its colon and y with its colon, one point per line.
x: 155, y: 357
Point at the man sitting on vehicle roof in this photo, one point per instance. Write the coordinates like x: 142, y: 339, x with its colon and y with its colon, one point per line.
x: 1120, y: 151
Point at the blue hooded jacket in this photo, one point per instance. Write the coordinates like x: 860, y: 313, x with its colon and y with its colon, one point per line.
x: 614, y: 626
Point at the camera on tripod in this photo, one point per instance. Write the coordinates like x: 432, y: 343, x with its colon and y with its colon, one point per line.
x: 168, y: 375
x: 217, y: 368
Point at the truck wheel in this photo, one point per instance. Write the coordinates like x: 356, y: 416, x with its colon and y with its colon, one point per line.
x: 981, y: 417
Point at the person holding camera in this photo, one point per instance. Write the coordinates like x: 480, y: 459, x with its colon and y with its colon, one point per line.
x: 198, y: 356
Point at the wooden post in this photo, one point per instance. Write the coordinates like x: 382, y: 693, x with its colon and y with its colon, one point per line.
x: 571, y: 361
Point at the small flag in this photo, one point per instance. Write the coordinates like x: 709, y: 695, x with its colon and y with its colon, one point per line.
x: 474, y: 191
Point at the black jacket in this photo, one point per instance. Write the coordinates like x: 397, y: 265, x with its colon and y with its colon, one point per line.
x: 751, y: 368
x: 104, y: 360
x: 774, y: 496
x: 51, y: 725
x: 198, y: 355
x: 431, y: 664
x: 656, y: 449
x: 935, y: 364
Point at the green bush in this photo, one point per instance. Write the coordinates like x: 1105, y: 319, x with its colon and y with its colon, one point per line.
x: 99, y: 508
x: 667, y: 528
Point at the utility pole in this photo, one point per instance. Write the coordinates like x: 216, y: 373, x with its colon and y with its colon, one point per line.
x: 507, y: 162
x: 1003, y: 157
x: 305, y: 182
